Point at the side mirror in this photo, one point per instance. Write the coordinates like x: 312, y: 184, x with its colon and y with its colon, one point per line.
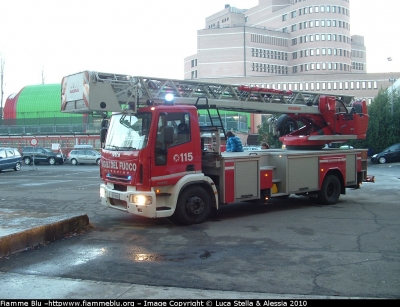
x: 103, y: 135
x: 168, y: 134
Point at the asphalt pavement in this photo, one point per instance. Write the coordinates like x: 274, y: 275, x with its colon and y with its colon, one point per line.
x: 22, y: 231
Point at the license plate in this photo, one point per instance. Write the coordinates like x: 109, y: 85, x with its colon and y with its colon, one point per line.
x: 115, y: 195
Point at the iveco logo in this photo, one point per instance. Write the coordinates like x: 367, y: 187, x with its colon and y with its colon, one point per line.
x: 116, y: 154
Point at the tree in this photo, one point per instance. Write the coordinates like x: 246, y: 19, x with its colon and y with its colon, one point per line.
x: 265, y: 135
x: 383, y: 126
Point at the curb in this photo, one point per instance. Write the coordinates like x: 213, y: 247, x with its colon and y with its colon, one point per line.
x: 35, y: 236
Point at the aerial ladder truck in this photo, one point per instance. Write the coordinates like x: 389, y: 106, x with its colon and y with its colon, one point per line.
x: 154, y: 163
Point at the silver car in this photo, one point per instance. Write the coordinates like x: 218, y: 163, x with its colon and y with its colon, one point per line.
x: 84, y: 156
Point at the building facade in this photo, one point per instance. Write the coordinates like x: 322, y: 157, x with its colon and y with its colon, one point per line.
x: 300, y: 45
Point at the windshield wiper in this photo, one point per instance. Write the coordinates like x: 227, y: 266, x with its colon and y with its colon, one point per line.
x: 113, y: 147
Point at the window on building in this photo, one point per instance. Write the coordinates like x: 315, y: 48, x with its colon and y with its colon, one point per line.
x: 284, y: 17
x: 323, y: 66
x: 322, y: 23
x: 311, y: 24
x: 323, y: 85
x: 318, y: 65
x: 317, y: 23
x: 311, y: 52
x: 316, y: 9
x: 328, y: 23
x: 328, y: 9
x: 375, y: 85
x: 311, y: 38
x: 293, y: 14
x: 317, y: 51
x: 294, y: 28
x: 369, y: 84
x: 317, y: 37
x: 351, y: 85
x: 322, y: 9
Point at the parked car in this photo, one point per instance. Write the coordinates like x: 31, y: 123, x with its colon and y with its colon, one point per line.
x: 40, y: 155
x: 10, y: 158
x: 390, y: 154
x: 84, y: 156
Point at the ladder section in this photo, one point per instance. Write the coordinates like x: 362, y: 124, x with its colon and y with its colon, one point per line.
x: 91, y: 91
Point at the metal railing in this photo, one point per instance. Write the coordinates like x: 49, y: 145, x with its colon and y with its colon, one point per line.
x: 49, y: 129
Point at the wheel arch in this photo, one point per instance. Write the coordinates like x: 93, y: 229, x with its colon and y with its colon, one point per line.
x: 336, y: 172
x: 207, y: 186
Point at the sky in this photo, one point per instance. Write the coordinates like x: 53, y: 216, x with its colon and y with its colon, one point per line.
x: 143, y: 38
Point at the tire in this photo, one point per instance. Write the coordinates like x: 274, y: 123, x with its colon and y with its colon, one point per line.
x: 98, y: 161
x: 52, y: 161
x: 17, y: 167
x: 74, y: 162
x: 382, y: 160
x: 27, y: 161
x: 193, y: 207
x: 330, y: 190
x: 286, y: 125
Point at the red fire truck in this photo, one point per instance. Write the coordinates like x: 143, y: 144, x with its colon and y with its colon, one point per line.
x: 154, y: 163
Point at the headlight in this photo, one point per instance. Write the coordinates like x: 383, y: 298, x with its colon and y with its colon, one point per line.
x: 141, y: 200
x: 375, y: 155
x: 59, y: 156
x: 102, y: 193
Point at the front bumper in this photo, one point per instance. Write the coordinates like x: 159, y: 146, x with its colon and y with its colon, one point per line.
x: 122, y: 200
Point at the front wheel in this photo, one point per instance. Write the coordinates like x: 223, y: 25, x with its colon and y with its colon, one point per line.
x: 52, y: 161
x: 193, y: 207
x: 382, y: 160
x: 330, y: 191
x: 98, y: 161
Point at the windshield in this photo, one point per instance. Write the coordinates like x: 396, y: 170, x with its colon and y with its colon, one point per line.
x: 128, y: 132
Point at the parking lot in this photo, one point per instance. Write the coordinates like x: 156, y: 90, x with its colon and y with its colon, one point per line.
x: 288, y: 246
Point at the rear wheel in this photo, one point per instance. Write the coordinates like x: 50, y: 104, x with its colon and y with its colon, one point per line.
x: 330, y: 190
x: 74, y: 162
x: 17, y: 167
x: 193, y: 206
x: 27, y: 161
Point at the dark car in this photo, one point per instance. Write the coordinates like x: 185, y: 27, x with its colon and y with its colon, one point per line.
x: 10, y: 158
x: 40, y: 155
x: 390, y: 154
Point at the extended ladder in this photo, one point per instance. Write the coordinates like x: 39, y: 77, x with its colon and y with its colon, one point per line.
x: 90, y: 91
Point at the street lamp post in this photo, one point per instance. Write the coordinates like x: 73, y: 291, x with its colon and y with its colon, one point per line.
x: 392, y: 80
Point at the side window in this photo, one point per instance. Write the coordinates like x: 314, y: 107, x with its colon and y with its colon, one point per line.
x: 2, y: 153
x: 183, y: 129
x: 10, y: 153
